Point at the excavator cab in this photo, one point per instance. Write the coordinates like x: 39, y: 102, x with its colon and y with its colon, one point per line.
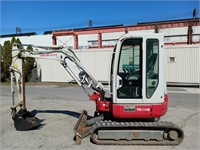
x: 137, y: 78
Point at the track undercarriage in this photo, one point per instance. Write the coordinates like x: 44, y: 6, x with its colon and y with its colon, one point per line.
x: 104, y: 132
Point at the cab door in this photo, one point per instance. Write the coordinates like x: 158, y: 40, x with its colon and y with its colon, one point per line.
x: 128, y: 68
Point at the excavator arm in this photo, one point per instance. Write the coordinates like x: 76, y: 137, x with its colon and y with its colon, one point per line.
x: 23, y: 119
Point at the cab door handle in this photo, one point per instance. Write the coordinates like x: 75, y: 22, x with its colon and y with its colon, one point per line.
x: 120, y: 82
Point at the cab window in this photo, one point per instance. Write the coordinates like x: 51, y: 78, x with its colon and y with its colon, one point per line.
x: 152, y: 66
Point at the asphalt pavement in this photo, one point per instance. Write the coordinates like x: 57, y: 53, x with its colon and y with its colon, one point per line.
x: 61, y: 106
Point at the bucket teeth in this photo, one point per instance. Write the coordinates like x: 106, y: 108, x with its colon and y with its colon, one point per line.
x: 24, y: 121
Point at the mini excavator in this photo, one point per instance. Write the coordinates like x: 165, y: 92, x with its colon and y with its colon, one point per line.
x: 138, y: 98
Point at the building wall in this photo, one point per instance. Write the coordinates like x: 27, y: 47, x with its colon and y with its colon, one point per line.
x: 185, y: 69
x: 34, y: 39
x: 97, y: 62
x: 66, y: 40
x: 172, y: 35
x: 183, y: 64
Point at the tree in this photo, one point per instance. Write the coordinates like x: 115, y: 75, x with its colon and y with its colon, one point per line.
x: 2, y: 64
x: 6, y: 60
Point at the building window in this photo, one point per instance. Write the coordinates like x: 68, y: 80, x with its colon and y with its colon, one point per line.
x: 172, y: 59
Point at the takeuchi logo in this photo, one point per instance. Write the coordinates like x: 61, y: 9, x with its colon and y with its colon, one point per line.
x: 45, y: 55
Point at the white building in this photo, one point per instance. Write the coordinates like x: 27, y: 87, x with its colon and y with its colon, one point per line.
x: 92, y: 45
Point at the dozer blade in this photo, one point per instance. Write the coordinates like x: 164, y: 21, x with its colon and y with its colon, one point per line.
x: 81, y: 129
x: 24, y: 120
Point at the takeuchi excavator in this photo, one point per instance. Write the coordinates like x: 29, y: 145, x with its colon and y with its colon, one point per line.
x: 138, y: 98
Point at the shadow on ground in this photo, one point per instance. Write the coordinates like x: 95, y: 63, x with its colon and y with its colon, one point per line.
x: 65, y: 112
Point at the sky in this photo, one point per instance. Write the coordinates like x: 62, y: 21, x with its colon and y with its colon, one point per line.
x: 39, y: 16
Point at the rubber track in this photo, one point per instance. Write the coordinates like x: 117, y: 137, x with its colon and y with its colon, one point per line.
x: 109, y: 125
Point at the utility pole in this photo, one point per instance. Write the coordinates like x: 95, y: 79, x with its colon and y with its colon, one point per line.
x: 90, y: 23
x: 194, y: 13
x: 18, y: 30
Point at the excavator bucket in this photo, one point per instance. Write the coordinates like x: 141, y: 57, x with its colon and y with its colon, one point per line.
x: 24, y: 120
x: 81, y: 129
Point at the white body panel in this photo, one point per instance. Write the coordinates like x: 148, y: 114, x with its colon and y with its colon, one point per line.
x: 158, y: 96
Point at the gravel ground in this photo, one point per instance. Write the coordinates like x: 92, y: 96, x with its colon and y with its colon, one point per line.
x: 61, y: 106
